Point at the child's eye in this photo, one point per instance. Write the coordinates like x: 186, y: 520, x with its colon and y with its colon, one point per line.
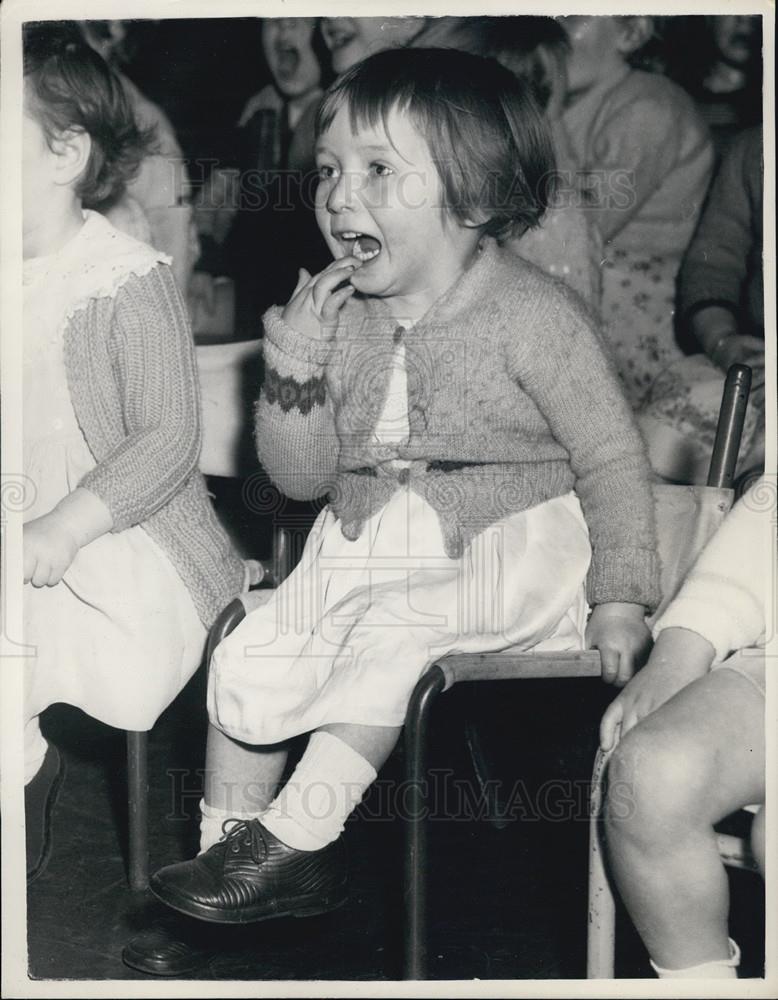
x: 327, y: 171
x: 380, y: 169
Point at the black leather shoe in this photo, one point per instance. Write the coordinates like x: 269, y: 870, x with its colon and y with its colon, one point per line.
x: 251, y: 876
x: 40, y: 797
x: 169, y: 948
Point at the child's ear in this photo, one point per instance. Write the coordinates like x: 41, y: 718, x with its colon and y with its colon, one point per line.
x: 635, y: 32
x: 72, y: 149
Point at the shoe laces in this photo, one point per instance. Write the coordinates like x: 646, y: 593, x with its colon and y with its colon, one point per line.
x: 245, y: 833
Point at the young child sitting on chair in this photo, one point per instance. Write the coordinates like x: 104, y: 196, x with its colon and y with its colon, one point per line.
x: 692, y: 749
x: 454, y: 403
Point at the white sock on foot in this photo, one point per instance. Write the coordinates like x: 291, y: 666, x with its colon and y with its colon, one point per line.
x: 211, y: 820
x: 722, y: 968
x: 35, y: 748
x: 311, y: 809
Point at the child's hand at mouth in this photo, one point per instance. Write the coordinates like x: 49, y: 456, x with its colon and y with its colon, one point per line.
x: 316, y: 301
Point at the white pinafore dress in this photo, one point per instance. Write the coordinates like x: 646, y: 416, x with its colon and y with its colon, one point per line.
x: 347, y: 635
x: 119, y: 635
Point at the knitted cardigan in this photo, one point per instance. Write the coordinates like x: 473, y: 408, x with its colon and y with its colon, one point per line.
x: 133, y: 383
x: 511, y: 403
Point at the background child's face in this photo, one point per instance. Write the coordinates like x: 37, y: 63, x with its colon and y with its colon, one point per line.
x: 287, y: 44
x: 594, y: 49
x: 38, y: 171
x: 352, y: 39
x: 380, y: 198
x: 735, y: 36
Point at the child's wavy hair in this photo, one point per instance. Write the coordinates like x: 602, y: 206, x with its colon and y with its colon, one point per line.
x: 70, y: 88
x: 485, y: 131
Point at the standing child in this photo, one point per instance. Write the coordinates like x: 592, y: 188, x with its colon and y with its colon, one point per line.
x: 124, y: 561
x: 645, y: 159
x: 449, y: 398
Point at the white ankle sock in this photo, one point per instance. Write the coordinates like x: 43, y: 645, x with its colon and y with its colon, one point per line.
x: 35, y: 748
x: 211, y: 819
x: 722, y: 968
x: 311, y: 809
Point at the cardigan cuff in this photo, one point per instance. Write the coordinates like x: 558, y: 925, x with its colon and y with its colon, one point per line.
x: 724, y: 632
x: 630, y: 575
x: 296, y: 345
x: 110, y: 491
x: 691, y: 311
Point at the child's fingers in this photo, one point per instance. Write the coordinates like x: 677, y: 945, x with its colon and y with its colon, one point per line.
x: 326, y: 284
x: 340, y: 262
x: 335, y: 303
x: 630, y: 719
x: 626, y: 669
x: 303, y: 277
x: 40, y: 575
x: 610, y: 660
x: 610, y: 722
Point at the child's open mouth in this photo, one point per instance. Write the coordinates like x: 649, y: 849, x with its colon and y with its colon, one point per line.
x: 287, y: 59
x: 360, y: 245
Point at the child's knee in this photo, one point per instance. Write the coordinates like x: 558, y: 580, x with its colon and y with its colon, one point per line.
x: 656, y: 782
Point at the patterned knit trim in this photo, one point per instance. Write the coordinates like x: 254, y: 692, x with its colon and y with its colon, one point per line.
x: 289, y: 393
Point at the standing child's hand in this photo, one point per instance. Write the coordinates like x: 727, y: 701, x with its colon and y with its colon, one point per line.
x: 679, y: 657
x: 619, y: 631
x: 49, y: 549
x: 316, y: 301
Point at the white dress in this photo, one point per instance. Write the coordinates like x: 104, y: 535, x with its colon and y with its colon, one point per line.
x: 119, y: 635
x: 347, y: 635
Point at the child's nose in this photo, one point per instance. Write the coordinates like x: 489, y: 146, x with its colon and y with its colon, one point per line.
x: 342, y: 194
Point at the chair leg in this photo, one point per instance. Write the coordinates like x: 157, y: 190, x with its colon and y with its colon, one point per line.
x: 425, y: 692
x: 138, y: 808
x: 601, y: 937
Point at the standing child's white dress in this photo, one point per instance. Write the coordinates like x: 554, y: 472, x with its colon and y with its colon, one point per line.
x: 119, y: 635
x: 346, y: 636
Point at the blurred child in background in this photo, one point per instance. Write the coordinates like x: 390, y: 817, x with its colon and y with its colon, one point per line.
x: 645, y: 159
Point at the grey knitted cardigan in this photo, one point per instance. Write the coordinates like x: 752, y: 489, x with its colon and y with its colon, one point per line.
x: 134, y: 386
x: 511, y: 402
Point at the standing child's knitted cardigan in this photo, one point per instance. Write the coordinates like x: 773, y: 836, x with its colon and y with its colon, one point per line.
x: 511, y: 403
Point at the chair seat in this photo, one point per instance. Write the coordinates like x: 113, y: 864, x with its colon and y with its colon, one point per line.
x: 519, y: 664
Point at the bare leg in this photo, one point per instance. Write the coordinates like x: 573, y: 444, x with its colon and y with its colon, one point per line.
x: 696, y: 759
x: 374, y: 743
x: 239, y: 777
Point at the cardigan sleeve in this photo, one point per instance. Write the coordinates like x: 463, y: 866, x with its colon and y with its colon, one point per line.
x: 561, y: 363
x: 633, y: 152
x: 294, y: 425
x: 155, y: 372
x: 723, y: 597
x: 714, y: 269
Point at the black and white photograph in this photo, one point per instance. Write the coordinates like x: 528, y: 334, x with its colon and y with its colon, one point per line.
x: 389, y: 499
